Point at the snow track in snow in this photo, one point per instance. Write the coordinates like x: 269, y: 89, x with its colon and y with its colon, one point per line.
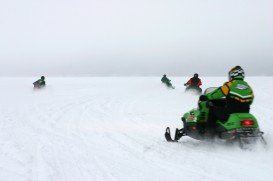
x: 113, y: 129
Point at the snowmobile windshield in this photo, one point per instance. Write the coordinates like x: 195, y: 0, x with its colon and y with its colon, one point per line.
x: 210, y: 89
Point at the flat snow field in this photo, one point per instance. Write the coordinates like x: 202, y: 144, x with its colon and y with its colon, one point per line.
x: 88, y: 129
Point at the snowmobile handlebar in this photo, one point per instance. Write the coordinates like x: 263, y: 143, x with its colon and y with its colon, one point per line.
x: 211, y: 103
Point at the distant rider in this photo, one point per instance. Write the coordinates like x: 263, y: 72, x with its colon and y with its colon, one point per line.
x: 165, y: 79
x: 194, y: 81
x: 237, y: 93
x: 40, y: 83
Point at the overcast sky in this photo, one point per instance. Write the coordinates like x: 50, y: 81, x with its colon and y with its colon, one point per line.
x: 135, y: 37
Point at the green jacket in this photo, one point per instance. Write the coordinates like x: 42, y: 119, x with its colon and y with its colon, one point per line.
x: 236, y: 89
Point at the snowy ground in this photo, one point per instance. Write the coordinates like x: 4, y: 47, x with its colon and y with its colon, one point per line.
x: 83, y: 129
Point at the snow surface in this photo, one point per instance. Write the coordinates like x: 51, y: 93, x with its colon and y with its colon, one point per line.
x: 81, y: 129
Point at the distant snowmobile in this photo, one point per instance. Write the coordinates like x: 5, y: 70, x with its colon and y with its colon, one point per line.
x: 193, y: 85
x: 167, y: 82
x: 240, y: 127
x: 195, y: 89
x: 40, y: 83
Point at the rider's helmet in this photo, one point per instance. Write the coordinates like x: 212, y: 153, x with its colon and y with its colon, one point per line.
x: 236, y: 73
x: 195, y: 75
x: 43, y: 78
x: 164, y: 75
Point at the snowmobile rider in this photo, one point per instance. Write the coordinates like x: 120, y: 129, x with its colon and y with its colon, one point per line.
x: 238, y: 98
x: 194, y: 81
x: 40, y: 83
x: 165, y: 79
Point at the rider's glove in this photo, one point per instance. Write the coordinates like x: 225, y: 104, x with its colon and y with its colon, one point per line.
x: 185, y: 84
x: 203, y: 98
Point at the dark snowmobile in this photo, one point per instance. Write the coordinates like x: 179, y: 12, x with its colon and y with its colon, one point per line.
x: 39, y: 83
x: 167, y: 82
x: 169, y: 85
x: 195, y: 89
x: 240, y: 127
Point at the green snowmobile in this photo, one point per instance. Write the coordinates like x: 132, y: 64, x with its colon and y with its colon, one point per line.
x: 240, y: 127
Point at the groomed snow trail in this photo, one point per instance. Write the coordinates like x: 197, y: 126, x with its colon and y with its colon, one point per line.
x: 113, y: 129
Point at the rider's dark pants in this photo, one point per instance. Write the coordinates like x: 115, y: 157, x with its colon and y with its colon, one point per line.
x: 216, y: 113
x: 222, y: 114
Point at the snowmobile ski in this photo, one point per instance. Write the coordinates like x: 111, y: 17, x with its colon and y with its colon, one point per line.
x: 178, y: 134
x: 168, y: 135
